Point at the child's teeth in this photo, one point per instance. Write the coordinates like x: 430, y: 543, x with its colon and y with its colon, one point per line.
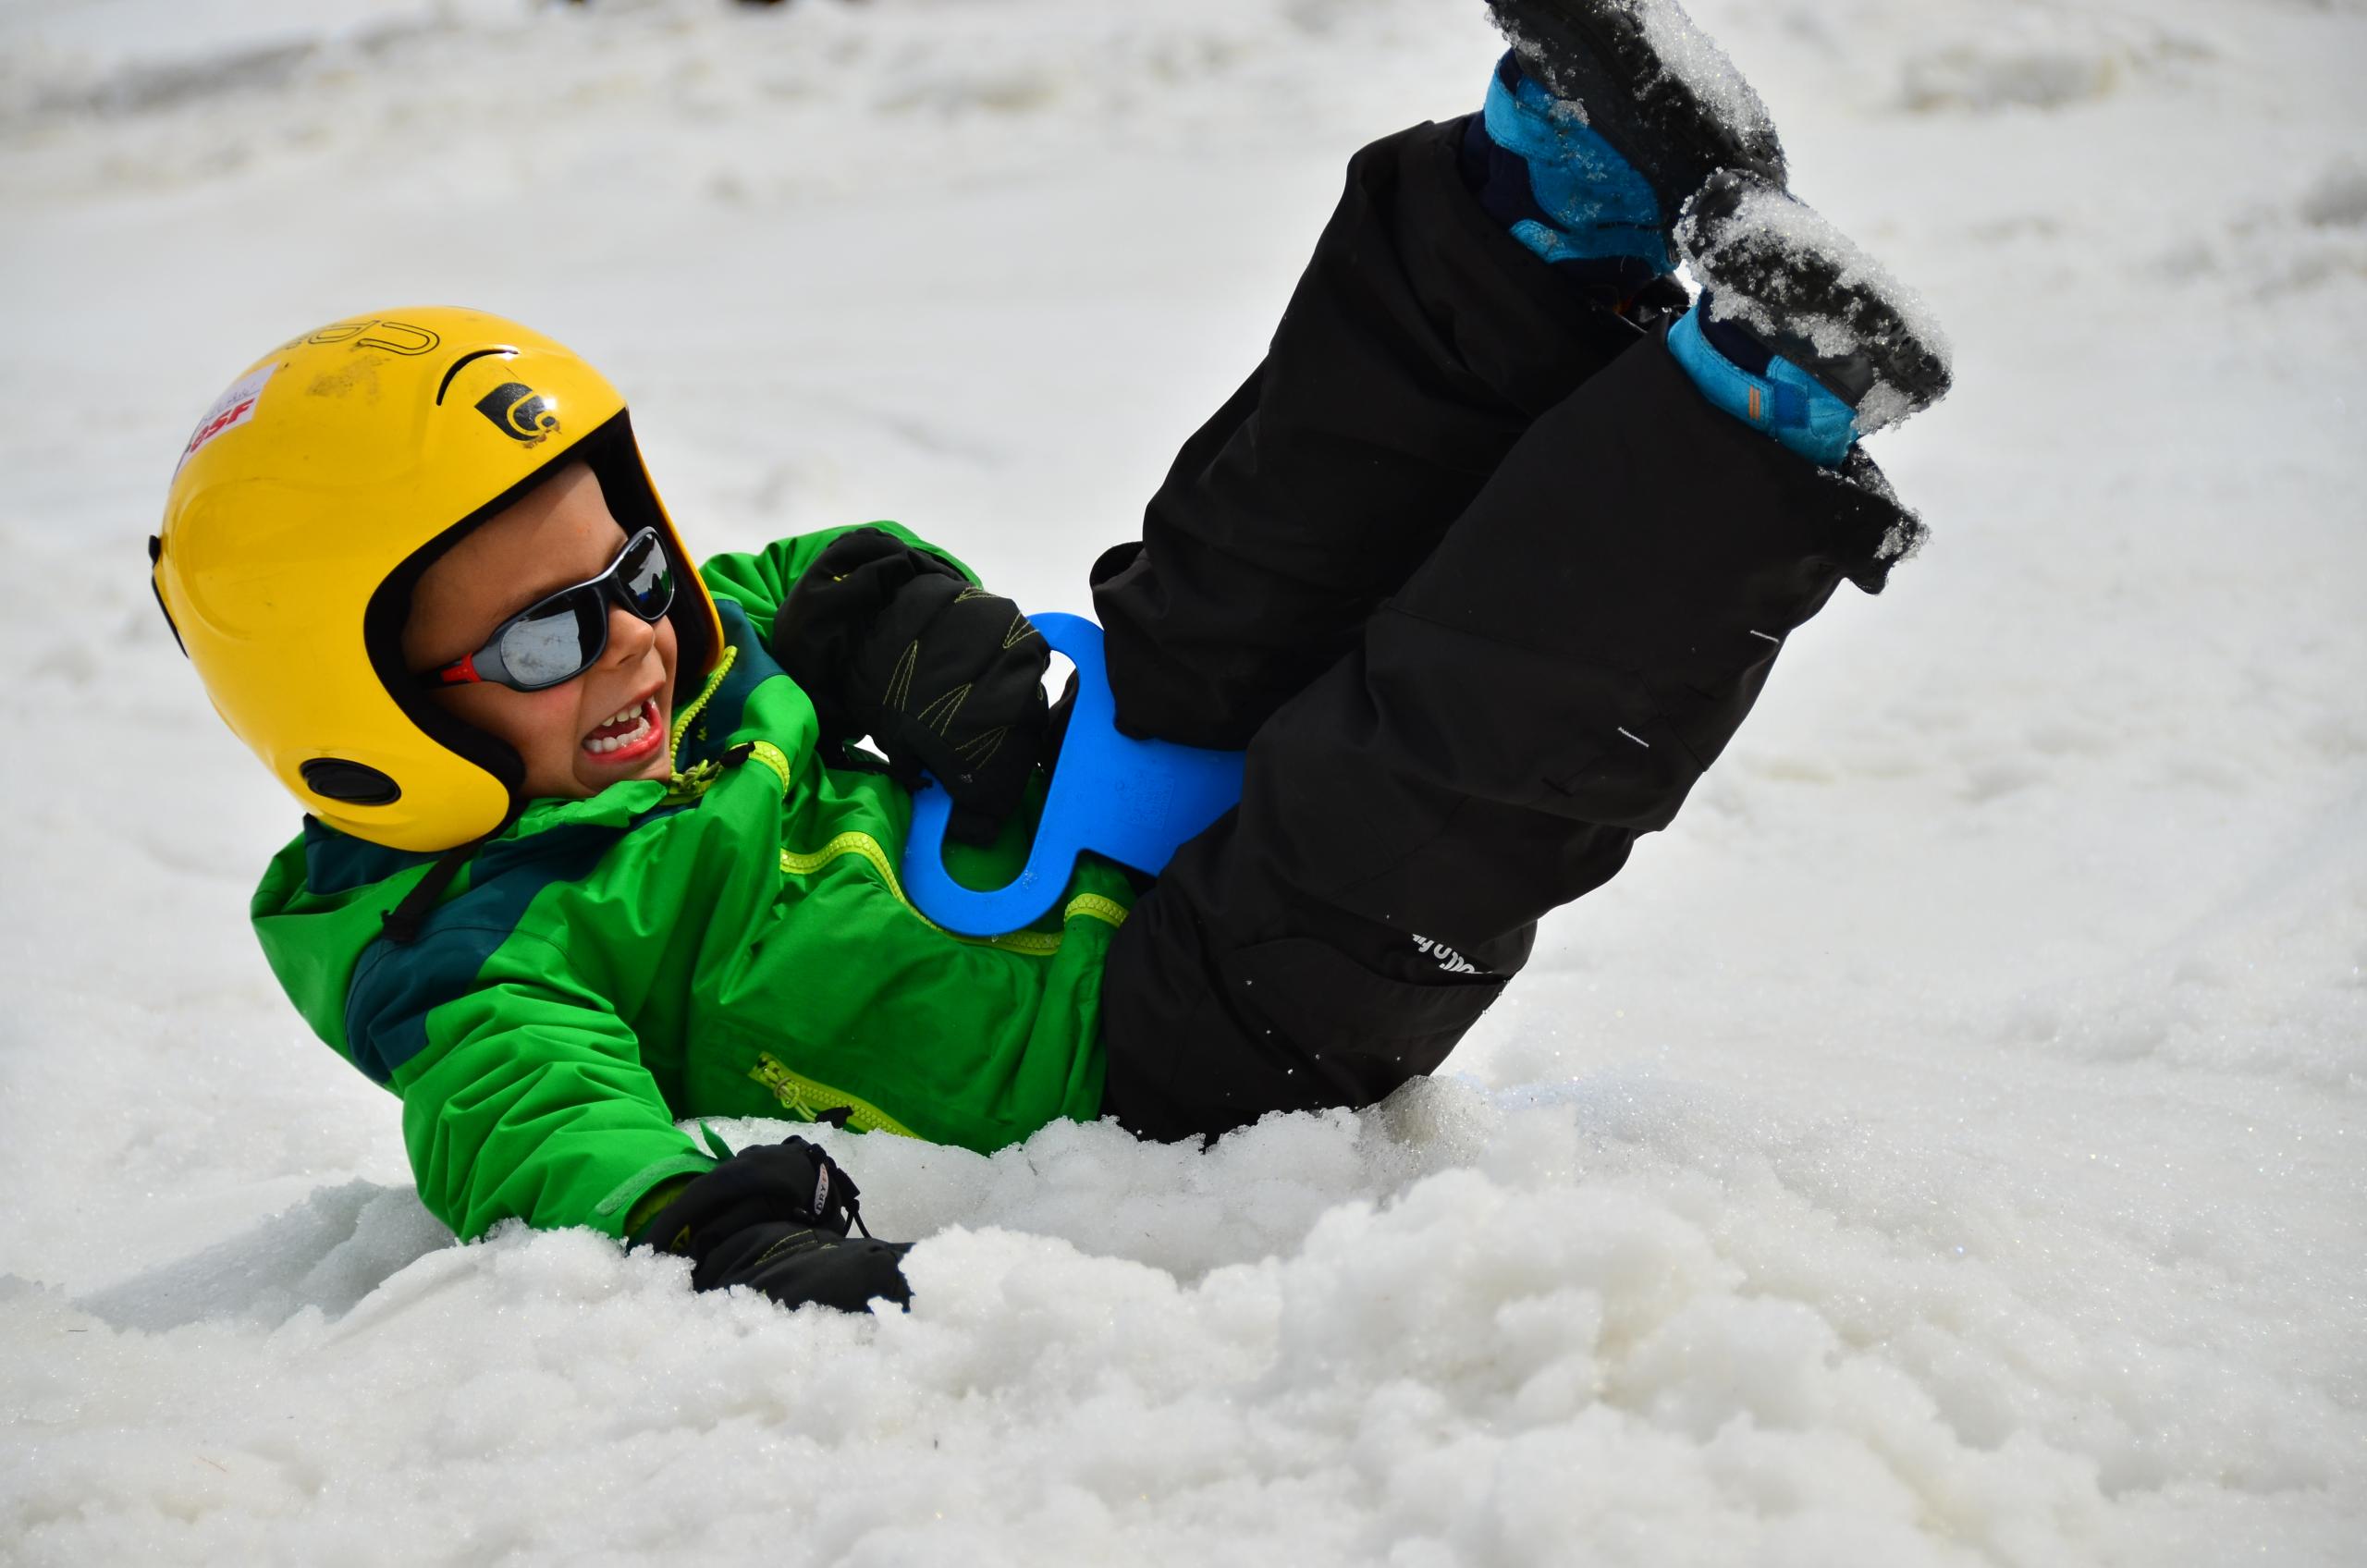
x: 597, y: 744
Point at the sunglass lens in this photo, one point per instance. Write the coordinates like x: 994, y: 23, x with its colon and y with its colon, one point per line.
x: 553, y: 640
x: 646, y: 576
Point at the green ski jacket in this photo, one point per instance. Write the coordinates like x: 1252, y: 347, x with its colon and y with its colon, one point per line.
x: 734, y: 943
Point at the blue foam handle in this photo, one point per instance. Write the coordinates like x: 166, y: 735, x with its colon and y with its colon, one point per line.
x: 1134, y: 801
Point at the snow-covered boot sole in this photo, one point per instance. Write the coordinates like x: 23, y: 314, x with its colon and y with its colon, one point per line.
x: 1771, y: 267
x: 1646, y: 79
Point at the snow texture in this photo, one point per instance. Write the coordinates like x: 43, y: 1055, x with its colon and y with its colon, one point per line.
x: 1936, y: 1148
x: 1693, y: 57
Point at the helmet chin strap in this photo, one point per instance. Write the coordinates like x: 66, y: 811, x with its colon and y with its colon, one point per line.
x: 401, y: 924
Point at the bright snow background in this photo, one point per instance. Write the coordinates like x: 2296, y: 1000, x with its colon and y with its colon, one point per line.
x: 1941, y: 1147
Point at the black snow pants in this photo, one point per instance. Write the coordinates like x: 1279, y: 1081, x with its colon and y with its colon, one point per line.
x: 1483, y: 584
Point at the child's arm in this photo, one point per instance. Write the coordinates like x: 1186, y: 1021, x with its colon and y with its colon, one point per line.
x: 760, y: 581
x: 894, y: 640
x: 523, y: 1093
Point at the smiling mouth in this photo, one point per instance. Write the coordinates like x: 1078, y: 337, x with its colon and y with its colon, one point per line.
x: 628, y: 736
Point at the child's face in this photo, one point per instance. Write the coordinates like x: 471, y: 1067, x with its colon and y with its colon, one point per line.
x: 558, y: 534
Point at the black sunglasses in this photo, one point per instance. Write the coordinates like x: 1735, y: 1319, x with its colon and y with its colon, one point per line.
x: 561, y: 635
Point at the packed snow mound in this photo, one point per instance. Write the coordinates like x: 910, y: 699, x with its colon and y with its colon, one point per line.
x: 1641, y: 1319
x: 326, y: 1253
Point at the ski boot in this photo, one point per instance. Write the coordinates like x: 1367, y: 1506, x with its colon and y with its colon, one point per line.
x: 1652, y: 83
x: 1794, y: 305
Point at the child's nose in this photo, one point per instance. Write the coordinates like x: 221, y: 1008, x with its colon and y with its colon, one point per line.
x: 629, y: 635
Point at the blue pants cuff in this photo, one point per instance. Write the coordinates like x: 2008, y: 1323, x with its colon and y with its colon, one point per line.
x: 1785, y: 402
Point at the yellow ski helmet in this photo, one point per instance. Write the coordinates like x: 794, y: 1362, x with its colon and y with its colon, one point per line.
x: 309, y: 500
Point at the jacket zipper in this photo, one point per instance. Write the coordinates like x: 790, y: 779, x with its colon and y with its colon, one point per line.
x: 706, y: 693
x: 804, y: 1097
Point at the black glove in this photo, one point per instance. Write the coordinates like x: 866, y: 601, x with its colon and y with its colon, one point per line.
x: 776, y: 1218
x: 894, y: 643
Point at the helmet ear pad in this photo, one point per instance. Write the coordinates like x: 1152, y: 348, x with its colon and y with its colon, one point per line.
x: 615, y: 461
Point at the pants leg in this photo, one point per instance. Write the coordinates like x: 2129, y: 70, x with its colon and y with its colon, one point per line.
x: 1546, y: 687
x: 1419, y: 346
x: 1485, y: 584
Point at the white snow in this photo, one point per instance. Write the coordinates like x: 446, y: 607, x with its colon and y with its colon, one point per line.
x: 1938, y: 1148
x: 1694, y: 58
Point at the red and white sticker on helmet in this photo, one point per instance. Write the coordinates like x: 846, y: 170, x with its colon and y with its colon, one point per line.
x: 233, y: 409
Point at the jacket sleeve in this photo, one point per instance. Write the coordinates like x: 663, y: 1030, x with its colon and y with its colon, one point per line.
x: 524, y: 1092
x: 760, y: 581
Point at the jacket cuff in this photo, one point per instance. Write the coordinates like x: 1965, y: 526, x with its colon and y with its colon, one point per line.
x: 612, y: 1215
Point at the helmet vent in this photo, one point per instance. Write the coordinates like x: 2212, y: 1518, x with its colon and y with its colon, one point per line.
x: 352, y: 782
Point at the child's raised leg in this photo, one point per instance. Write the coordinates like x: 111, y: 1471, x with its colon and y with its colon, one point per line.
x: 1473, y: 276
x: 1544, y: 687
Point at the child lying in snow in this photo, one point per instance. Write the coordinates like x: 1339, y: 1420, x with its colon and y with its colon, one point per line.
x: 1483, y: 566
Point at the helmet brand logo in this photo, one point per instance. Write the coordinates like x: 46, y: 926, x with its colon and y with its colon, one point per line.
x: 518, y: 411
x: 374, y: 332
x: 233, y: 409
